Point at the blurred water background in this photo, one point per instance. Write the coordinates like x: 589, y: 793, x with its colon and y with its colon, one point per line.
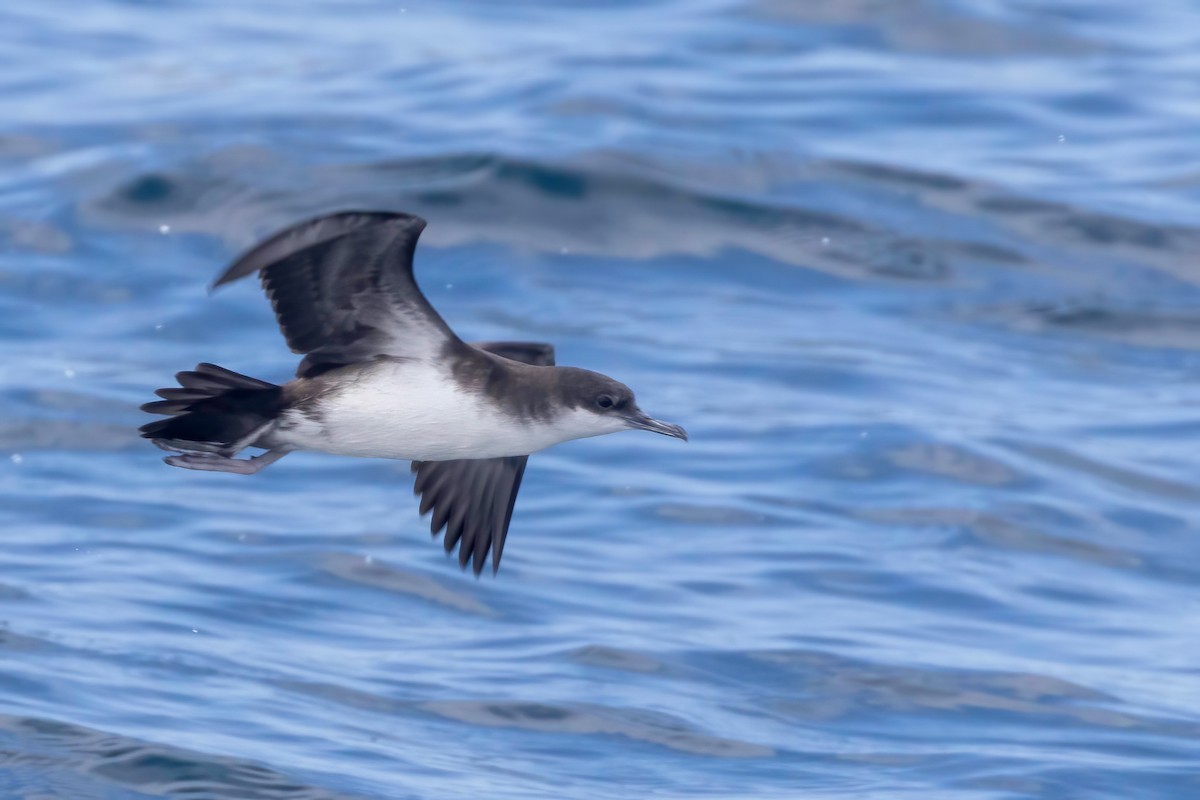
x: 919, y: 276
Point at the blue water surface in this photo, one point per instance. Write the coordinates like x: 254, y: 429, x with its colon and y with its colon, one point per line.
x: 921, y: 278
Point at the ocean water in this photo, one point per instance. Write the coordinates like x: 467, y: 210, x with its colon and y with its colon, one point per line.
x: 920, y: 277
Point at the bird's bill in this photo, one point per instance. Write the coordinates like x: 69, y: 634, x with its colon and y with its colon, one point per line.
x: 643, y: 422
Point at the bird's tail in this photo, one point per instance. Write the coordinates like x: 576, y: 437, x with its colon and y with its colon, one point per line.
x: 213, y: 410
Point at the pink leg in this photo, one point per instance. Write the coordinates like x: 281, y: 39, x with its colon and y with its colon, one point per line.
x: 215, y: 463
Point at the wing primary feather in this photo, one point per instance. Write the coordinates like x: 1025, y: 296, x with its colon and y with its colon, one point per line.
x: 303, y: 235
x: 343, y: 291
x: 484, y: 521
x: 441, y: 516
x: 509, y: 501
x: 473, y: 499
x: 455, y: 528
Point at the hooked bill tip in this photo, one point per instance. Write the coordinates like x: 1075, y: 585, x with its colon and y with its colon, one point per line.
x: 646, y: 423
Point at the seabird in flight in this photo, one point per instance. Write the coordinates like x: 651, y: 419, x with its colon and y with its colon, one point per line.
x: 383, y: 376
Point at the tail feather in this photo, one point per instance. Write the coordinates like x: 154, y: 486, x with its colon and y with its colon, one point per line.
x: 180, y: 393
x: 208, y: 377
x: 169, y: 407
x: 214, y: 410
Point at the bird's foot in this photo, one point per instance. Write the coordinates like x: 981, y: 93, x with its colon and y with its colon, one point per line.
x: 214, y: 463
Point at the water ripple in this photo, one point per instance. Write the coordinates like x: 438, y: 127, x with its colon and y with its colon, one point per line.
x: 919, y: 277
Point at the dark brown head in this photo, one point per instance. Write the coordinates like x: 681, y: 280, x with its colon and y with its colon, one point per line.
x: 596, y: 404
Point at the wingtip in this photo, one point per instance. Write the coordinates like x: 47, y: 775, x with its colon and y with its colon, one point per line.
x: 227, y: 276
x: 308, y: 233
x: 476, y: 570
x: 476, y: 566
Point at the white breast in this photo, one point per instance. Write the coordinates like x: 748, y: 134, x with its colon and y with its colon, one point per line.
x: 412, y: 410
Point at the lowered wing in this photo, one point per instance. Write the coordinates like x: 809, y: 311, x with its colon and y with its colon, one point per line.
x: 473, y: 498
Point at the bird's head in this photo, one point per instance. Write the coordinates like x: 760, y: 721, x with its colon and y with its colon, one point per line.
x: 596, y: 404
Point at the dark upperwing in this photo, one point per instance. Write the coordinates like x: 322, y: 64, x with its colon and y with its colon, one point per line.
x: 343, y: 290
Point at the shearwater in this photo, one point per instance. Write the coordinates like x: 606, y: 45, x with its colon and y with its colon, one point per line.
x: 383, y: 376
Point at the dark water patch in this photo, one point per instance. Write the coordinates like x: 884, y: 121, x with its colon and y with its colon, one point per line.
x: 10, y: 594
x: 1143, y: 327
x: 885, y: 458
x: 614, y: 658
x: 24, y: 146
x: 346, y: 696
x: 589, y: 720
x: 710, y: 515
x: 899, y: 177
x: 1163, y: 247
x: 1046, y: 229
x: 152, y: 189
x: 986, y: 252
x: 1010, y: 531
x: 548, y: 718
x: 907, y: 260
x: 835, y: 685
x: 1112, y: 231
x: 1016, y: 206
x: 21, y: 436
x: 37, y: 236
x: 586, y: 211
x: 368, y: 572
x: 51, y: 754
x: 956, y: 463
x: 533, y: 206
x: 1126, y: 478
x: 927, y: 27
x: 14, y: 642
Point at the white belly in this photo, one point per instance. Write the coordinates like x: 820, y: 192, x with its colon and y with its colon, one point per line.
x: 411, y: 410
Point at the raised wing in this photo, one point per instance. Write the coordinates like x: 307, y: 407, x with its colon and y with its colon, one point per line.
x: 473, y: 498
x: 343, y: 290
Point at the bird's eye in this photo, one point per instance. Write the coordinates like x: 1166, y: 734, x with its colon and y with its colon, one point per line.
x: 605, y: 401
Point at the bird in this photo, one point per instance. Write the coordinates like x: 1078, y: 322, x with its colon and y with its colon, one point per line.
x: 384, y: 376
